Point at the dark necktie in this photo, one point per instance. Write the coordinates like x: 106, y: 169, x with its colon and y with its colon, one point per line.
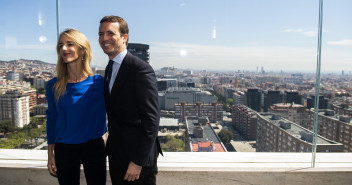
x: 109, y: 72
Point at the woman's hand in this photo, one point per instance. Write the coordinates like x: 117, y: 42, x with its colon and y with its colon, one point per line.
x: 51, y: 160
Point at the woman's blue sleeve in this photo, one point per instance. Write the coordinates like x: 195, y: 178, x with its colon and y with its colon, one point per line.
x: 51, y: 114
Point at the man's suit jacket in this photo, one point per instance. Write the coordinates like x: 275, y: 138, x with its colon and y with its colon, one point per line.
x: 133, y: 114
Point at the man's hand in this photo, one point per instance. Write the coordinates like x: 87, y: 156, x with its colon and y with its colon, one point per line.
x: 133, y: 172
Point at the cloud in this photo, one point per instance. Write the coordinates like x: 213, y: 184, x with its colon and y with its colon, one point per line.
x: 231, y: 57
x: 310, y: 33
x: 45, y: 47
x: 10, y: 42
x: 294, y: 30
x: 341, y: 43
x: 251, y: 43
x: 183, y: 4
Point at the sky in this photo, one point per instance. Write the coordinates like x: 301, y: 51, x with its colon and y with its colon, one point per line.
x: 227, y: 35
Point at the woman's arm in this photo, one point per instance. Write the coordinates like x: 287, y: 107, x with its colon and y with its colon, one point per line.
x: 51, y: 160
x: 50, y: 127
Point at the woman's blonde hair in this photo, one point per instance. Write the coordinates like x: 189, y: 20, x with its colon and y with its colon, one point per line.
x: 61, y: 68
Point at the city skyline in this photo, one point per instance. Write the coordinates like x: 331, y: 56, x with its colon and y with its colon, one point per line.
x: 228, y: 35
x: 183, y: 93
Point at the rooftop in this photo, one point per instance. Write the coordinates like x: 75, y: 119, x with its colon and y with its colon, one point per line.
x: 287, y: 105
x: 207, y: 144
x: 183, y: 89
x: 208, y: 134
x: 168, y: 122
x: 336, y: 117
x: 295, y: 130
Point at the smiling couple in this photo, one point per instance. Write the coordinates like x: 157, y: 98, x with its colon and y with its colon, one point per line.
x: 78, y: 102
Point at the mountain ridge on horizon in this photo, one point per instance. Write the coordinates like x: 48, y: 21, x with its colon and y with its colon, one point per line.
x: 39, y: 62
x: 26, y: 60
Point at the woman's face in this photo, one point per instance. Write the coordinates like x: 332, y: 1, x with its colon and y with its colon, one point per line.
x: 69, y: 50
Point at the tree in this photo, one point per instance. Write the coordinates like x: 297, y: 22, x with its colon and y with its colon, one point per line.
x: 226, y: 136
x: 172, y: 144
x: 182, y: 137
x: 37, y: 121
x: 229, y: 101
x: 41, y: 91
x: 17, y: 138
x: 219, y: 94
x: 6, y: 126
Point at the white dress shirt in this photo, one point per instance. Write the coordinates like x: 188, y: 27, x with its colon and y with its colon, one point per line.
x: 116, y: 66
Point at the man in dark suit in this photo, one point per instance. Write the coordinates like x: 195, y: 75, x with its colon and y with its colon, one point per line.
x: 131, y: 100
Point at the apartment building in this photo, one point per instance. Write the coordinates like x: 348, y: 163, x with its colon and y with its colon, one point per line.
x: 254, y: 99
x: 13, y: 85
x: 334, y: 127
x: 139, y: 50
x: 12, y: 76
x: 293, y: 96
x: 14, y: 106
x: 342, y: 109
x: 40, y: 109
x: 293, y: 112
x: 164, y: 83
x: 32, y: 94
x: 175, y: 95
x: 323, y: 102
x: 213, y: 111
x: 239, y: 97
x: 244, y: 120
x: 276, y: 134
x: 272, y: 97
x: 41, y: 98
x: 22, y: 88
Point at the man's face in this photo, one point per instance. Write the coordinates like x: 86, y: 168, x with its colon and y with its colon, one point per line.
x: 110, y: 39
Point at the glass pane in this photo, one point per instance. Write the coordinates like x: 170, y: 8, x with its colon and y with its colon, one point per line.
x: 334, y: 124
x: 239, y: 54
x: 263, y: 52
x: 27, y: 55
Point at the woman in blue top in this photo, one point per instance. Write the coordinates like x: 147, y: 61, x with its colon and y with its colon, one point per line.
x: 76, y: 117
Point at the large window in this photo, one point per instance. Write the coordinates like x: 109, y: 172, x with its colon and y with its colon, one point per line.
x: 224, y: 47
